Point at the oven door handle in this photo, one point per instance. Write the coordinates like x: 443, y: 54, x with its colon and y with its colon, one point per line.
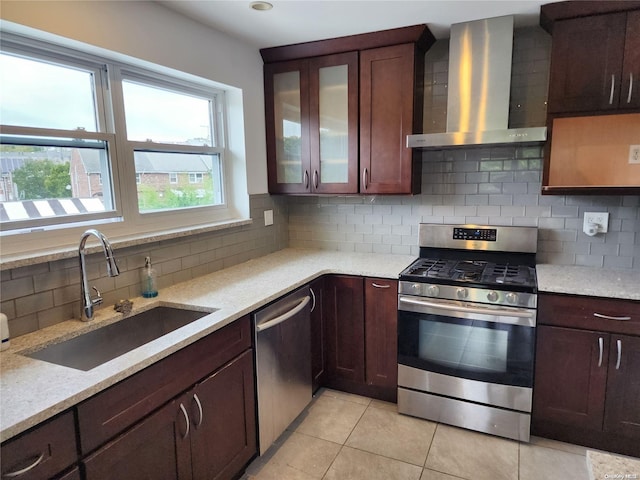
x: 528, y: 316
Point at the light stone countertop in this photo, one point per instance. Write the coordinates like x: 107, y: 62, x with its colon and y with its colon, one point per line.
x: 602, y: 465
x: 32, y: 391
x: 589, y: 281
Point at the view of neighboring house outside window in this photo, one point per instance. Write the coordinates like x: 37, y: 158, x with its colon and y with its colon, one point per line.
x: 63, y: 150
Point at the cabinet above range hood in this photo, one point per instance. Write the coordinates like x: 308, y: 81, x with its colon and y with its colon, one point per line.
x: 479, y: 86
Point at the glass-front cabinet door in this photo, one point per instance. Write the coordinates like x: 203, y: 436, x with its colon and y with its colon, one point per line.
x: 334, y: 123
x: 312, y: 124
x: 287, y: 126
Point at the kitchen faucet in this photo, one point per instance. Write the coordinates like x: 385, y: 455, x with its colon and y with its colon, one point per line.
x: 88, y: 303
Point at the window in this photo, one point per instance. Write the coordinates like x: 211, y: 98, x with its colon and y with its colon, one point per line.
x: 54, y: 147
x: 171, y: 131
x: 72, y: 127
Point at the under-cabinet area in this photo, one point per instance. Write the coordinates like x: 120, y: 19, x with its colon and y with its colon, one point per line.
x: 587, y: 381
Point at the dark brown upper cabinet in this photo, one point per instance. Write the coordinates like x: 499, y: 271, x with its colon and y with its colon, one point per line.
x: 312, y: 124
x: 595, y: 61
x: 338, y: 112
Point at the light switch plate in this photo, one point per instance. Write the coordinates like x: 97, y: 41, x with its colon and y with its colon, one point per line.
x: 268, y: 217
x: 634, y: 153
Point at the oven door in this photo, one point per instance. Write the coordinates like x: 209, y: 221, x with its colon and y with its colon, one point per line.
x: 486, y: 343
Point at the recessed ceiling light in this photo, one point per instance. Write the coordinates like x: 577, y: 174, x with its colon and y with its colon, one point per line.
x: 260, y: 5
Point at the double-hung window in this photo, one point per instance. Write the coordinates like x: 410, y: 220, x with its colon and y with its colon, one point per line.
x: 170, y: 130
x: 86, y: 140
x: 57, y: 146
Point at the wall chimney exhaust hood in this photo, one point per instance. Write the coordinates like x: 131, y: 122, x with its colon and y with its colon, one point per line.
x: 480, y: 56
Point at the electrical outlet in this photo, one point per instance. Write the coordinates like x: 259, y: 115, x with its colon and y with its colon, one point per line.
x: 634, y: 153
x: 595, y: 222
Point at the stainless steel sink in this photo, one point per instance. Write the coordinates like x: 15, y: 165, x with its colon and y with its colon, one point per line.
x: 96, y: 347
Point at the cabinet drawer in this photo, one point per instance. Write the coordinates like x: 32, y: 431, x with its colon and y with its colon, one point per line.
x: 590, y: 313
x: 108, y: 413
x: 49, y: 449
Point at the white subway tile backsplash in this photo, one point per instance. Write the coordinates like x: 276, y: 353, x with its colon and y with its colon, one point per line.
x: 501, y: 186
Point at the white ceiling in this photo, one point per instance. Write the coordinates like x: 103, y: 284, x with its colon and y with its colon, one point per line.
x: 295, y: 21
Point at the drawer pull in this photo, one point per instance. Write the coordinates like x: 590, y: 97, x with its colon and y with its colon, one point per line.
x: 186, y: 421
x: 200, y: 417
x: 313, y: 299
x: 377, y: 285
x: 17, y: 473
x: 630, y: 87
x: 609, y: 317
x: 600, y: 344
x: 619, y: 344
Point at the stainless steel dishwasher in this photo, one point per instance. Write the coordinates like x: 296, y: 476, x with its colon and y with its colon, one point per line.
x: 283, y: 363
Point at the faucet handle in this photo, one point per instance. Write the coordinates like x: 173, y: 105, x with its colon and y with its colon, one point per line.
x: 98, y: 299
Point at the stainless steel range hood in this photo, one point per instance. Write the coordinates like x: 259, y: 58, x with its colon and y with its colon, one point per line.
x: 480, y: 56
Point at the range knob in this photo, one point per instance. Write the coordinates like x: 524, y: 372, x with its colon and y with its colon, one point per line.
x: 492, y: 296
x: 433, y: 290
x: 416, y: 287
x: 512, y: 297
x: 462, y: 293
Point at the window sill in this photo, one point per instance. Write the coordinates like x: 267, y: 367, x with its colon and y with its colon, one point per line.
x: 52, y: 254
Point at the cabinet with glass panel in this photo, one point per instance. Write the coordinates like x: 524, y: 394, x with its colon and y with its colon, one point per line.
x: 338, y: 112
x: 312, y: 124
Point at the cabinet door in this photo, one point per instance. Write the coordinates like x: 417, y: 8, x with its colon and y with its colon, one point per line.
x: 388, y: 113
x: 622, y: 410
x: 222, y: 412
x: 344, y: 310
x: 586, y: 63
x: 286, y: 87
x: 570, y: 376
x: 318, y: 358
x: 630, y: 90
x: 333, y: 123
x: 381, y: 332
x: 156, y: 448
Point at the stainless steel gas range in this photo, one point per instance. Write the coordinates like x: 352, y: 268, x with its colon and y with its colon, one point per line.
x: 466, y: 328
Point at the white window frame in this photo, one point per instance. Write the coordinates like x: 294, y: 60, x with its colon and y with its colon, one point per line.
x: 173, y: 178
x: 126, y: 222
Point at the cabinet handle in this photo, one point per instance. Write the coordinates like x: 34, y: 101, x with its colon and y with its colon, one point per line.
x: 315, y: 178
x: 186, y: 421
x: 365, y: 178
x: 613, y: 80
x: 600, y: 345
x: 200, y: 414
x: 17, y: 473
x: 630, y: 87
x: 619, y: 345
x: 377, y: 285
x: 306, y: 179
x: 609, y: 317
x: 313, y: 299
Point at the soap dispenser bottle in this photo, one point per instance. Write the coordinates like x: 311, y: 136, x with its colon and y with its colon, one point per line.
x: 148, y: 280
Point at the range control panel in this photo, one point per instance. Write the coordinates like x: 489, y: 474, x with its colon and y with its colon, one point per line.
x: 483, y: 234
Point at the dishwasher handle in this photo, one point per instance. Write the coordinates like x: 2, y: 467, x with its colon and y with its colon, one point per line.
x: 284, y: 317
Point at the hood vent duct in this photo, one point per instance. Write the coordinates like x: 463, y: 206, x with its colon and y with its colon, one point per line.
x: 480, y: 57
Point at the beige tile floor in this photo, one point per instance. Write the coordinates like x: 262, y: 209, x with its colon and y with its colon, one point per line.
x: 348, y: 437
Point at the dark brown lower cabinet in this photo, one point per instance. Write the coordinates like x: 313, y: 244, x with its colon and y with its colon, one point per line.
x: 318, y: 354
x: 361, y: 335
x: 587, y: 380
x: 42, y: 452
x: 207, y: 433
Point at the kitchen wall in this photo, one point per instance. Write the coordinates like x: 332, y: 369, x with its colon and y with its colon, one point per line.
x: 41, y: 295
x: 496, y: 186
